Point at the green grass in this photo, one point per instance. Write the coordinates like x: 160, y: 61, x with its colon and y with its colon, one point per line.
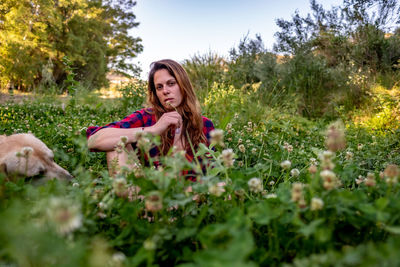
x: 357, y: 224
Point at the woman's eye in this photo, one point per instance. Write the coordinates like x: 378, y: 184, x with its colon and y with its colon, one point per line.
x: 158, y: 88
x: 171, y: 83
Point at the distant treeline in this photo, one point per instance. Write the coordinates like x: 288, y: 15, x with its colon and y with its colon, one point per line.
x: 320, y: 62
x: 44, y: 43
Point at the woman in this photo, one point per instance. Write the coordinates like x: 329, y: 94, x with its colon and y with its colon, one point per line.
x: 174, y: 115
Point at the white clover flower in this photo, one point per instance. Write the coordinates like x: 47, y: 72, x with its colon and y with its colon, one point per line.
x: 335, y: 136
x: 271, y: 183
x: 359, y: 180
x: 313, y: 161
x: 75, y: 184
x: 242, y: 148
x: 272, y: 195
x: 312, y: 169
x: 229, y: 126
x: 349, y: 155
x: 370, y: 181
x: 295, y: 172
x: 149, y: 244
x: 317, y: 203
x: 360, y: 146
x: 153, y: 202
x: 327, y: 175
x: 326, y: 155
x: 255, y: 185
x: 26, y: 151
x: 64, y: 215
x: 124, y: 139
x: 217, y: 137
x: 228, y: 157
x: 286, y: 164
x: 117, y: 259
x: 240, y: 140
x: 297, y: 192
x: 254, y: 150
x: 216, y: 190
x: 119, y: 186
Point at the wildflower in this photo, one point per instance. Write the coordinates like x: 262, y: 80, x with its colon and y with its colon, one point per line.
x: 359, y: 180
x: 349, y: 155
x: 272, y: 195
x: 255, y: 185
x: 326, y: 155
x: 149, y: 244
x: 294, y: 172
x: 391, y: 171
x: 228, y: 157
x: 286, y: 164
x: 254, y: 150
x: 216, y: 190
x: 271, y: 183
x: 217, y: 137
x: 335, y: 137
x: 316, y: 203
x: 297, y: 192
x: 360, y: 146
x: 313, y: 161
x: 312, y: 169
x: 240, y: 140
x: 102, y: 205
x: 26, y: 151
x: 64, y: 215
x: 229, y: 126
x: 153, y: 202
x: 302, y: 203
x: 120, y: 186
x: 142, y: 140
x: 117, y: 259
x: 242, y: 148
x: 330, y: 179
x: 288, y: 147
x: 240, y: 163
x: 370, y: 181
x: 124, y: 139
x: 326, y: 160
x: 75, y: 184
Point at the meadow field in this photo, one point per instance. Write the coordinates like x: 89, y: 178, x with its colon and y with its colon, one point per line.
x: 279, y: 189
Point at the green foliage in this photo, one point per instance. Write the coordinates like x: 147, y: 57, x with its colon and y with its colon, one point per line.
x: 222, y: 220
x: 36, y: 36
x: 204, y: 70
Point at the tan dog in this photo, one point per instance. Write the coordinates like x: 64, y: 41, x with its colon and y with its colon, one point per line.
x: 25, y: 155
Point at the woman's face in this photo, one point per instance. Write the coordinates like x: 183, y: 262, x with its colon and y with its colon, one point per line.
x: 167, y: 89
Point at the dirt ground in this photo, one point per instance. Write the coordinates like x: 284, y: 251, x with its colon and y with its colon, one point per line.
x: 19, y: 98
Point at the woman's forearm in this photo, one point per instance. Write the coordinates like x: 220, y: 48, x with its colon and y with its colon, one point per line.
x: 107, y: 139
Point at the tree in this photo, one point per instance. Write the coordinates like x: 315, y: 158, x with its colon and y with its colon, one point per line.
x: 37, y: 35
x: 354, y: 31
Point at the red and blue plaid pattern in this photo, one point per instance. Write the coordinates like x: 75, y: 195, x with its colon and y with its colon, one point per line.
x: 146, y: 118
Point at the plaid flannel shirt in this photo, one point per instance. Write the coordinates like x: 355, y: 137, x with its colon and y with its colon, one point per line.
x: 145, y: 118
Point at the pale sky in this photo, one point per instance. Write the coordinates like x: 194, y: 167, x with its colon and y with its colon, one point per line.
x: 179, y: 29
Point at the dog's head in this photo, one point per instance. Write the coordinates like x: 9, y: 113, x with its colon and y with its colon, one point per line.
x: 26, y: 155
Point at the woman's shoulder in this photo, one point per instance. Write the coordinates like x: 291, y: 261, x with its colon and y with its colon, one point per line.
x: 208, y: 126
x: 207, y: 122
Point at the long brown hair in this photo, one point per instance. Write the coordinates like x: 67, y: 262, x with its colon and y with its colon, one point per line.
x: 189, y: 108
